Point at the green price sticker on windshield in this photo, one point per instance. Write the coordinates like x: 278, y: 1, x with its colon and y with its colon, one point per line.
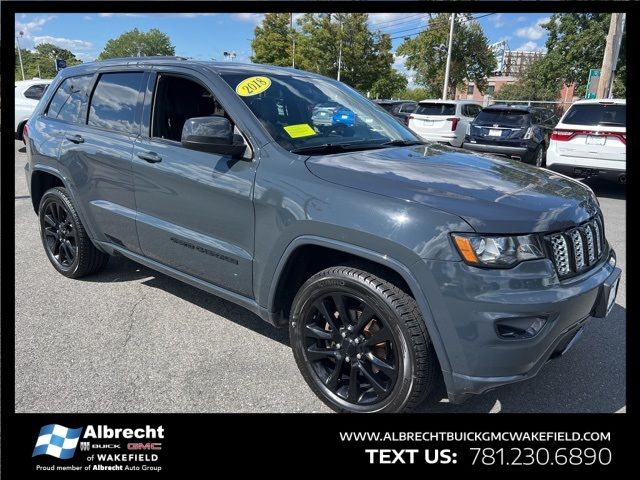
x: 300, y: 130
x: 253, y: 86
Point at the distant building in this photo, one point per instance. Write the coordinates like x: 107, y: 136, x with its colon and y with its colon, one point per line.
x: 510, y: 64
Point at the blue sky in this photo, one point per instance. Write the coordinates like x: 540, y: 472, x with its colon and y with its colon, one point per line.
x: 206, y: 36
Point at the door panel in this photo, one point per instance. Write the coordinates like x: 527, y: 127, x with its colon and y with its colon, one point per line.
x: 195, y: 212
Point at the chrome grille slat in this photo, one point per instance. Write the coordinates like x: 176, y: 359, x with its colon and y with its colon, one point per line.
x: 578, y: 251
x: 591, y: 250
x: 575, y: 250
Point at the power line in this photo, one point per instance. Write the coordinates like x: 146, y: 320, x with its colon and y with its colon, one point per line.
x: 401, y: 20
x: 436, y: 24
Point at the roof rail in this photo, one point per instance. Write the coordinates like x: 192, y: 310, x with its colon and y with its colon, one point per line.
x: 149, y: 57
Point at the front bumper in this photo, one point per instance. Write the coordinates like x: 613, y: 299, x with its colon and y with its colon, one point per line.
x: 468, y: 303
x: 497, y: 149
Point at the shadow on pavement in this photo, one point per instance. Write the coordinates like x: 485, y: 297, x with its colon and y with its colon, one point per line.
x: 120, y: 269
x: 589, y: 378
x: 606, y: 188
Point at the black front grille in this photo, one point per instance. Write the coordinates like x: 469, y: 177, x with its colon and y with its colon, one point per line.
x: 578, y: 249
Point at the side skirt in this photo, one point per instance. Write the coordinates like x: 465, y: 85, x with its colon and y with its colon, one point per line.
x: 248, y: 303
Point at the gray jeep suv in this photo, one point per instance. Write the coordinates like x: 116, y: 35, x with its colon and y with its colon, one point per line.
x: 392, y: 261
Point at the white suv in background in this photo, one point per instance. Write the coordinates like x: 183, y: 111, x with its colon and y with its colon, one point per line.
x: 443, y: 120
x: 28, y: 94
x: 591, y: 140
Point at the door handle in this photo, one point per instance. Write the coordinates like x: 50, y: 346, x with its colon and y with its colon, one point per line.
x: 75, y: 138
x: 151, y: 157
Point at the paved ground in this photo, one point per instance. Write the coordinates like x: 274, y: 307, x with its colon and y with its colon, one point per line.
x: 133, y: 340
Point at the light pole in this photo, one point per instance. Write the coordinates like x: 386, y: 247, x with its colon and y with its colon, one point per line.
x: 229, y: 55
x: 20, y: 35
x: 448, y: 67
x: 340, y: 49
x: 293, y: 39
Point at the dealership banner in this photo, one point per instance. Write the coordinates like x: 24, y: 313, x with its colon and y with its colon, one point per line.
x: 171, y: 444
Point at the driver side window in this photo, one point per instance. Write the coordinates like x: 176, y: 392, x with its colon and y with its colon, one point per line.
x: 176, y: 100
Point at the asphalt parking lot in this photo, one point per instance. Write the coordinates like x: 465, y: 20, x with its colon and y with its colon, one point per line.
x: 132, y: 340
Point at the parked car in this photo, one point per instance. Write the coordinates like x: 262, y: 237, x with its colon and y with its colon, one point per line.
x: 515, y: 131
x: 28, y: 94
x: 401, y: 109
x: 330, y: 114
x: 390, y: 263
x: 443, y: 120
x: 591, y: 140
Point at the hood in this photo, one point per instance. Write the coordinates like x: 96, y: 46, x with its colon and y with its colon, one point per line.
x: 493, y: 195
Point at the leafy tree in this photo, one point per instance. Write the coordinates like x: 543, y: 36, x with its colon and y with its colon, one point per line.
x: 273, y: 40
x: 417, y: 94
x: 42, y: 56
x: 365, y: 55
x: 390, y: 85
x: 136, y: 43
x: 575, y: 44
x: 471, y: 58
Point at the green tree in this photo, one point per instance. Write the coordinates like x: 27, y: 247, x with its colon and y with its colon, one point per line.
x: 537, y: 82
x: 417, y: 94
x: 273, y: 40
x: 575, y: 44
x: 136, y: 43
x: 365, y: 56
x: 471, y: 58
x: 390, y: 85
x: 42, y: 56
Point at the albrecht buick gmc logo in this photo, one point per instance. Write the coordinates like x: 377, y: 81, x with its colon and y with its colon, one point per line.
x: 61, y: 442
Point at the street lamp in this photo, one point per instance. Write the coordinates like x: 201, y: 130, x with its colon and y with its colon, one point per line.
x: 20, y: 35
x: 229, y: 55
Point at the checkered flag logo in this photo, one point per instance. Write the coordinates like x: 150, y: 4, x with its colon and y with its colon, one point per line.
x: 57, y: 441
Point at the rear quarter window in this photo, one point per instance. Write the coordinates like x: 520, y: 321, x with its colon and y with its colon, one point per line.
x: 67, y: 101
x: 614, y: 115
x: 35, y: 92
x: 436, y: 109
x: 503, y: 118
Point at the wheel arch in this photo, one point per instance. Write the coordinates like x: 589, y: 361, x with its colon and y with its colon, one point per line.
x: 42, y: 179
x: 286, y: 279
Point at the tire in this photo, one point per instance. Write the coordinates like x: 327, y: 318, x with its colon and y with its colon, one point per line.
x: 393, y: 375
x: 60, y: 224
x: 537, y: 158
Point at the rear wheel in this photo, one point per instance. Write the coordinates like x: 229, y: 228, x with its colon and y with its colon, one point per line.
x: 537, y: 158
x: 361, y: 343
x: 64, y: 238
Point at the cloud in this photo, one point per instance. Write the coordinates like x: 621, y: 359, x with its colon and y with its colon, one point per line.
x: 35, y: 25
x: 498, y: 20
x: 87, y: 17
x: 521, y: 19
x: 66, y: 43
x: 249, y: 17
x: 530, y: 47
x: 533, y: 32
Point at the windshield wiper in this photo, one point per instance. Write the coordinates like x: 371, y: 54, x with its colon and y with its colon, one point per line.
x: 402, y: 143
x: 615, y: 124
x: 336, y: 147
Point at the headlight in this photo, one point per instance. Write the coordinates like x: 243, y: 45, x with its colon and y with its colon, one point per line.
x: 485, y: 251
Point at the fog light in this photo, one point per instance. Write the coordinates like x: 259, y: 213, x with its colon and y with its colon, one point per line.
x: 520, y: 328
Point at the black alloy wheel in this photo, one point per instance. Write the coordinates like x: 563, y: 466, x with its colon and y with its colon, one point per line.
x: 361, y: 343
x: 65, y: 240
x: 350, y: 348
x: 59, y: 233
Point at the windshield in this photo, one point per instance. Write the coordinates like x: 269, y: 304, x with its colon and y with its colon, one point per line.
x: 436, y: 109
x: 302, y: 113
x: 502, y: 118
x: 597, y: 114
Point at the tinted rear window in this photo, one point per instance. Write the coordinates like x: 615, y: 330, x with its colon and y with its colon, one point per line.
x: 502, y: 118
x: 436, y: 109
x: 596, y: 114
x: 387, y: 106
x: 114, y: 101
x: 35, y: 92
x: 66, y: 102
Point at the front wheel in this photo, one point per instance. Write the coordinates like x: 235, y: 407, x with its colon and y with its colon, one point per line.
x: 361, y: 343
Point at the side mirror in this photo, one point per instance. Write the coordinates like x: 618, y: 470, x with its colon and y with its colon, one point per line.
x: 213, y: 134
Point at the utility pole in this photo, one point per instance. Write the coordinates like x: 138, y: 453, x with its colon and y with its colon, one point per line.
x: 251, y: 47
x: 610, y: 59
x: 293, y: 39
x: 448, y: 67
x: 20, y: 53
x: 340, y: 50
